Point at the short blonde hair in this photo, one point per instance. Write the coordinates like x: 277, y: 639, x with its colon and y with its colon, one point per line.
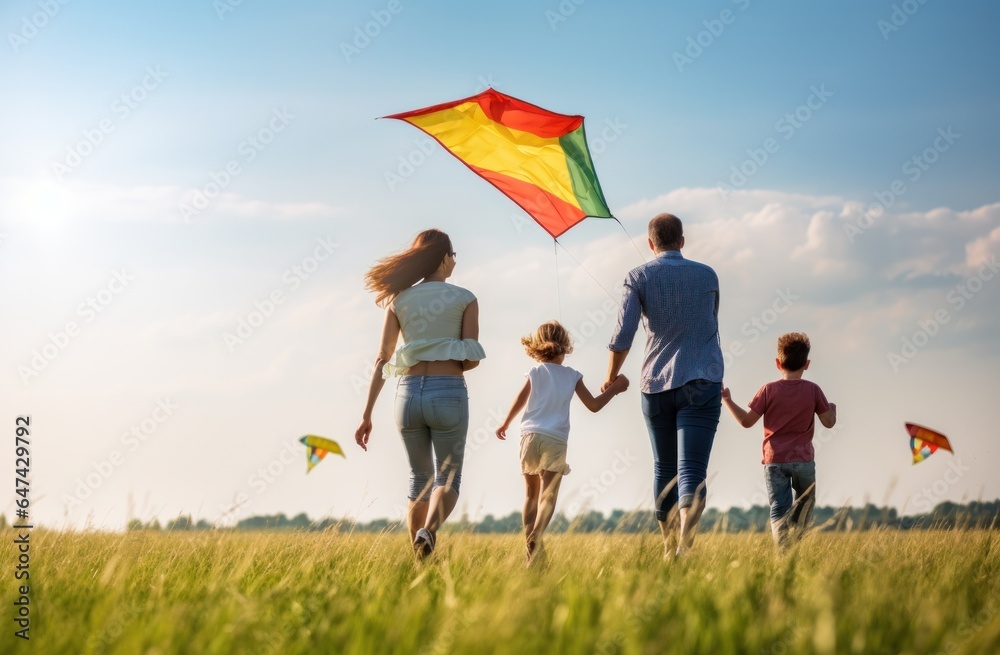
x: 548, y: 342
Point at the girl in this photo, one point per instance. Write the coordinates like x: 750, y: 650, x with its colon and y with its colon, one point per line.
x: 439, y: 323
x: 547, y: 392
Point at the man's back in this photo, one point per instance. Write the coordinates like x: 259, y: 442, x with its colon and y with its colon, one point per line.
x: 680, y: 300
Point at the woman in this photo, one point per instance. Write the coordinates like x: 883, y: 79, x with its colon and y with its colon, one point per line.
x: 440, y: 327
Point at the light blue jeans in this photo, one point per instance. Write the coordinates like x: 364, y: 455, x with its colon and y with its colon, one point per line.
x: 782, y: 479
x: 432, y: 415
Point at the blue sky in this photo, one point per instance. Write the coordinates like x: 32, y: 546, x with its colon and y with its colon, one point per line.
x: 665, y: 131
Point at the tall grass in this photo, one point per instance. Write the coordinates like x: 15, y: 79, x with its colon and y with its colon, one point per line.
x: 257, y: 593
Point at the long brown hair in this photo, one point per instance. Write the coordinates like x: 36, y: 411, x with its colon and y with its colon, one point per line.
x: 394, y: 273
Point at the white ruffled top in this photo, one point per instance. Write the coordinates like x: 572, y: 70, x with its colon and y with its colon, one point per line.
x: 430, y: 319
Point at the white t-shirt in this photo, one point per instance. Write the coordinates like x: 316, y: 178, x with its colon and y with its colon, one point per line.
x: 552, y: 389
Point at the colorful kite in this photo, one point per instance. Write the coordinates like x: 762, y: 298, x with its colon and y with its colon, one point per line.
x: 924, y: 442
x: 317, y: 448
x: 537, y: 158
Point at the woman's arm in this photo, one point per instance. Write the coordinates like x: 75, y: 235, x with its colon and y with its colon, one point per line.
x: 515, y: 409
x: 387, y: 345
x: 470, y: 330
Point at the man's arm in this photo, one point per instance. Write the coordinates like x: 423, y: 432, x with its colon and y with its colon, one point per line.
x: 615, y: 361
x: 621, y: 340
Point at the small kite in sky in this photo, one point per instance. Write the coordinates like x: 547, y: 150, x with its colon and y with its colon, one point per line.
x: 925, y: 441
x: 317, y: 448
x: 537, y: 158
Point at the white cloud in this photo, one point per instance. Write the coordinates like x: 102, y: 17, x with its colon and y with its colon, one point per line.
x: 983, y: 249
x: 44, y: 202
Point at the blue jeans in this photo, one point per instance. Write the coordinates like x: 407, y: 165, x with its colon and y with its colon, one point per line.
x: 781, y: 481
x: 432, y: 415
x: 681, y: 424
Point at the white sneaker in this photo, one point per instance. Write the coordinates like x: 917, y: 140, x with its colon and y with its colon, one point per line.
x: 423, y: 543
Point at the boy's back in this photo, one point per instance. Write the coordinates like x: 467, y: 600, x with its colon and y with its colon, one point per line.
x: 789, y: 409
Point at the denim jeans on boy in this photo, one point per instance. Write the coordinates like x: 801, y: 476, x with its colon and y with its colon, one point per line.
x: 432, y: 415
x: 781, y: 481
x: 681, y: 424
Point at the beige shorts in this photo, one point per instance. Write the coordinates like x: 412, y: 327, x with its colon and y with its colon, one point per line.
x: 540, y: 452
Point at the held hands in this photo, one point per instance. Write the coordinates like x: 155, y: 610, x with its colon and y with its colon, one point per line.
x: 620, y: 385
x: 610, y: 383
x: 363, y: 432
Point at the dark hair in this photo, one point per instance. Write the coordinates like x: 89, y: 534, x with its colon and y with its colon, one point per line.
x: 394, y: 273
x: 666, y: 232
x: 793, y: 350
x: 549, y: 341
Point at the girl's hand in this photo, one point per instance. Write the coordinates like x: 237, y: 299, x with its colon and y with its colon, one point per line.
x: 363, y: 432
x: 502, y: 432
x: 725, y: 394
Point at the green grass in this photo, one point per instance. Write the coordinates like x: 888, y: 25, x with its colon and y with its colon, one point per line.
x: 220, y: 592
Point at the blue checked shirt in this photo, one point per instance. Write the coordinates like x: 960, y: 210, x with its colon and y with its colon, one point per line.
x: 679, y: 302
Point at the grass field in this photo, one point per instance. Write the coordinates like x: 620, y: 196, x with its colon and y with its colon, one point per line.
x: 221, y: 592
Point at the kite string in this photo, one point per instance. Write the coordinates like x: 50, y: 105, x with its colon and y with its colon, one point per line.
x: 555, y: 252
x: 608, y: 293
x: 639, y: 252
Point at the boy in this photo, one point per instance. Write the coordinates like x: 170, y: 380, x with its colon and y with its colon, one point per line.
x: 788, y: 406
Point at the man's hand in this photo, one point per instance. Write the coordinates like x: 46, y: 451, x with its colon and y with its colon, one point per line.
x: 620, y: 385
x: 502, y: 432
x: 610, y: 381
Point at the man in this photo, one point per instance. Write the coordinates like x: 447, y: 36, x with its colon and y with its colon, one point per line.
x: 681, y: 374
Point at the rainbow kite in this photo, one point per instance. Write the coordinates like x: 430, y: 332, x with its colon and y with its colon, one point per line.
x: 537, y: 158
x: 317, y: 448
x: 924, y: 442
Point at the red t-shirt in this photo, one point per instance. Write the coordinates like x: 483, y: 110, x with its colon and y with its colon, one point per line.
x: 789, y: 408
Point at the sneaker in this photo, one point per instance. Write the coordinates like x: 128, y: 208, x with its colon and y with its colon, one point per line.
x: 423, y: 543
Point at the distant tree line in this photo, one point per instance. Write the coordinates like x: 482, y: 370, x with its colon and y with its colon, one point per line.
x: 946, y: 516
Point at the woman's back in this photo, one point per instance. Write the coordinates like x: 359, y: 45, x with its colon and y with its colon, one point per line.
x: 431, y: 310
x: 430, y: 316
